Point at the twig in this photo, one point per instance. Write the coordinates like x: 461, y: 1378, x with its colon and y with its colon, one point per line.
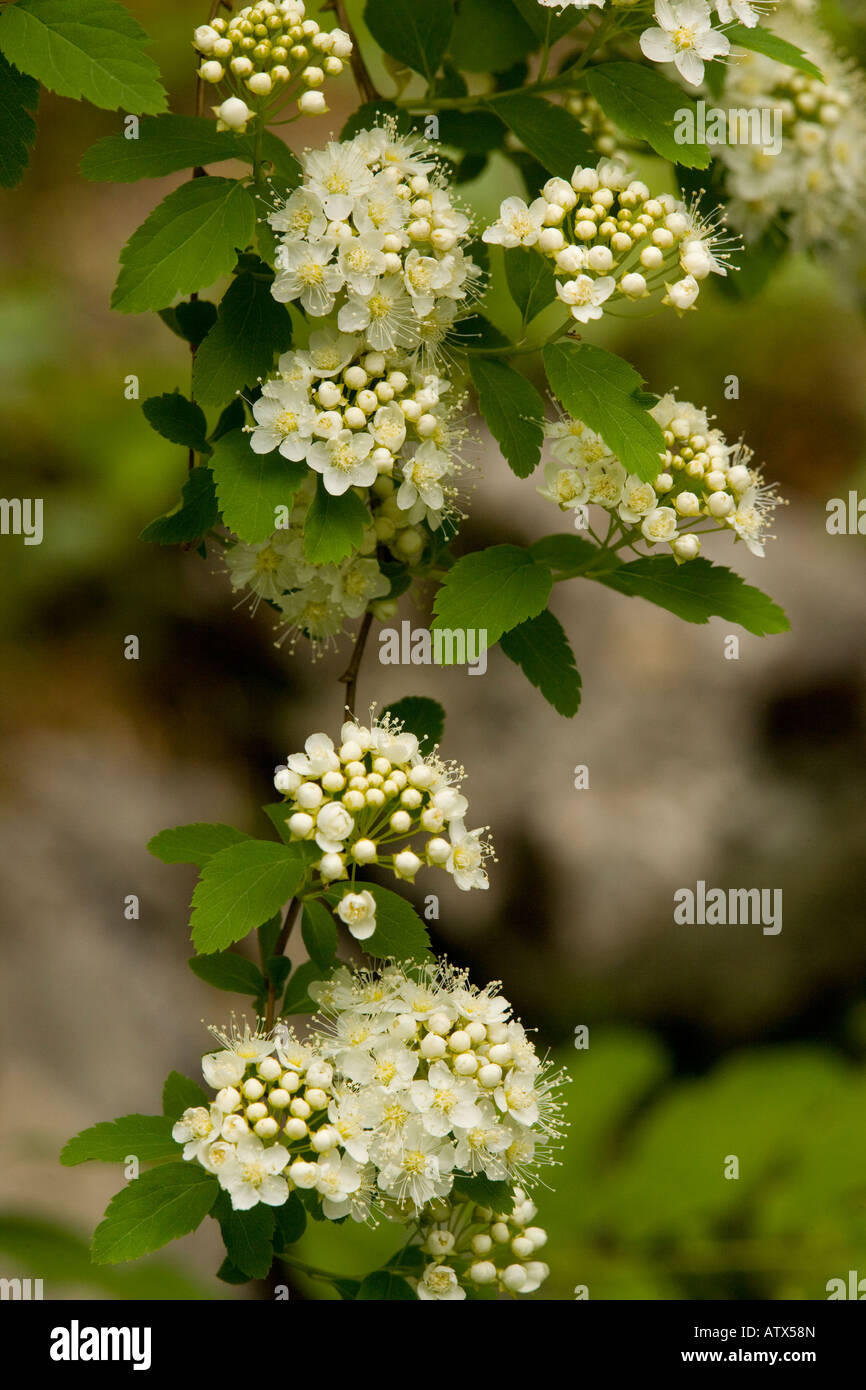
x: 363, y: 80
x: 280, y: 950
x: 349, y: 677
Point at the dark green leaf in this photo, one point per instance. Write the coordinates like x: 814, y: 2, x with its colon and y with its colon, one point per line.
x: 489, y: 36
x: 179, y: 420
x: 19, y: 96
x: 531, y: 282
x: 514, y: 412
x: 191, y: 319
x: 319, y: 931
x: 542, y: 651
x: 476, y: 331
x: 161, y: 1205
x: 251, y: 488
x: 761, y: 40
x: 386, y: 1286
x: 195, y: 514
x: 297, y: 1000
x: 232, y: 418
x: 278, y: 969
x: 164, y: 145
x: 697, y: 591
x: 414, y: 31
x: 485, y: 1191
x: 476, y: 132
x: 421, y: 716
x: 492, y: 591
x: 333, y: 526
x: 240, y: 887
x: 269, y: 934
x: 372, y: 114
x: 193, y: 844
x: 145, y: 1136
x: 347, y: 1288
x: 248, y: 1236
x: 566, y: 555
x: 229, y: 971
x: 550, y: 133
x: 230, y: 1274
x: 599, y: 388
x: 646, y: 106
x: 251, y: 330
x: 180, y: 1093
x: 291, y: 1222
x: 538, y: 18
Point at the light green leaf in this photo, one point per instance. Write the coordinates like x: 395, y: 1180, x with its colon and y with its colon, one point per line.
x: 319, y: 931
x: 400, y: 932
x: 531, y: 282
x: 179, y: 420
x: 248, y: 1236
x: 542, y: 651
x: 195, y: 514
x: 414, y: 31
x: 489, y: 36
x: 333, y: 526
x: 161, y: 1205
x: 697, y: 591
x: 550, y: 133
x: 251, y: 487
x: 83, y: 48
x: 242, y: 886
x: 646, y: 106
x: 600, y: 389
x: 193, y: 844
x: 249, y: 332
x: 761, y: 40
x: 19, y: 96
x: 514, y: 412
x: 229, y: 971
x: 179, y: 1093
x: 421, y: 716
x: 187, y: 242
x: 492, y: 591
x: 164, y: 145
x: 146, y: 1136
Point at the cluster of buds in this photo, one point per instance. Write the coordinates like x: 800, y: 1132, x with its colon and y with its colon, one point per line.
x: 606, y: 234
x: 704, y: 483
x: 476, y: 1248
x: 605, y: 136
x: 366, y: 802
x: 266, y: 54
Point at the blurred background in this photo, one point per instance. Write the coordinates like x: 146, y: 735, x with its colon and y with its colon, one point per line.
x: 704, y: 1042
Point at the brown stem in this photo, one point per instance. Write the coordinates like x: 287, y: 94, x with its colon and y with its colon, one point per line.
x: 349, y: 677
x: 279, y: 950
x: 363, y: 80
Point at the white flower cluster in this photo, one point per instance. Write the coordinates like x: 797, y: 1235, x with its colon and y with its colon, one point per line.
x: 365, y: 802
x: 266, y: 54
x: 607, y: 235
x: 472, y: 1246
x: 704, y: 483
x: 372, y: 236
x: 815, y: 185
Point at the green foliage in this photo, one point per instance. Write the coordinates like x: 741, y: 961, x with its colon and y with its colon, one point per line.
x: 161, y: 1205
x: 291, y: 1222
x: 297, y: 1000
x: 252, y: 328
x: 179, y: 420
x: 248, y: 1236
x: 19, y: 96
x: 83, y: 48
x: 550, y: 133
x: 602, y: 390
x: 186, y: 243
x: 334, y: 526
x: 251, y: 487
x: 489, y: 36
x: 385, y: 1285
x: 229, y: 971
x: 492, y: 591
x: 416, y: 32
x: 423, y: 717
x: 164, y: 145
x: 146, y: 1136
x: 761, y: 40
x: 538, y: 19
x: 531, y: 281
x: 643, y: 104
x: 240, y: 887
x: 193, y: 844
x: 319, y: 931
x: 399, y: 932
x: 485, y: 1191
x: 179, y: 1093
x: 697, y: 591
x: 191, y: 319
x: 195, y: 514
x: 565, y: 554
x: 543, y: 652
x: 514, y: 412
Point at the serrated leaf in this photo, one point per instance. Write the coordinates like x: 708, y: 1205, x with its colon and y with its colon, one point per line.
x: 566, y: 555
x: 164, y: 145
x: 193, y: 844
x: 248, y: 1236
x: 179, y: 1093
x: 251, y: 487
x: 531, y: 281
x: 186, y: 243
x: 514, y: 412
x: 178, y: 419
x: 550, y: 133
x: 319, y: 931
x: 240, y: 887
x: 492, y: 591
x: 414, y: 31
x: 386, y: 1286
x: 83, y: 48
x: 543, y: 652
x: 195, y: 514
x: 297, y: 1000
x: 599, y: 388
x: 761, y: 40
x: 697, y: 591
x: 19, y: 97
x: 421, y: 716
x: 489, y: 36
x: 400, y: 932
x: 252, y: 328
x: 334, y: 526
x: 229, y: 971
x: 643, y: 104
x: 291, y: 1222
x: 146, y: 1136
x: 161, y: 1205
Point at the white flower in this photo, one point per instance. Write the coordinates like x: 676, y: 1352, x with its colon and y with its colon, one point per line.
x: 659, y: 525
x: 358, y: 911
x: 344, y: 461
x: 439, y: 1281
x: 422, y: 475
x: 386, y: 316
x: 197, y: 1129
x: 302, y: 215
x: 305, y: 271
x: 585, y: 296
x: 445, y: 1101
x: 729, y: 10
x: 518, y: 225
x: 285, y: 420
x: 337, y: 175
x: 269, y: 569
x: 417, y: 1169
x: 233, y: 114
x: 334, y: 824
x: 358, y: 584
x: 337, y: 1179
x: 685, y: 36
x: 564, y: 486
x: 638, y: 498
x: 318, y: 757
x: 256, y: 1177
x: 518, y: 1098
x: 465, y: 862
x: 362, y: 262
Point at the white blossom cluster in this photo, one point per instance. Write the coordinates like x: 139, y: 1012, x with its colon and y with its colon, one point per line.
x: 704, y: 483
x: 816, y: 184
x: 607, y: 236
x: 474, y: 1247
x: 365, y: 803
x: 266, y: 54
x: 372, y: 238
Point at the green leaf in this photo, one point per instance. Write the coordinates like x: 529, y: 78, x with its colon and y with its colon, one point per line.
x: 422, y: 717
x: 347, y: 1288
x: 186, y: 243
x: 240, y: 887
x: 193, y: 844
x: 531, y: 282
x: 232, y: 418
x: 386, y: 1286
x: 543, y: 652
x: 697, y: 591
x: 278, y: 969
x: 566, y: 555
x: 146, y: 1136
x: 476, y: 331
x: 550, y: 133
x: 646, y: 106
x: 291, y: 1222
x: 485, y: 1191
x: 251, y: 487
x: 229, y: 971
x: 83, y: 48
x: 414, y: 31
x: 19, y: 96
x: 179, y: 420
x: 191, y: 319
x: 761, y: 40
x: 251, y: 329
x: 489, y: 36
x: 371, y: 114
x: 538, y: 18
x: 248, y: 1236
x: 278, y: 813
x: 599, y: 388
x: 399, y: 932
x: 195, y: 514
x: 230, y: 1274
x: 269, y: 934
x: 319, y: 931
x: 164, y: 145
x: 161, y: 1205
x: 297, y: 1000
x: 179, y: 1093
x: 492, y: 591
x: 514, y: 412
x: 333, y: 526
